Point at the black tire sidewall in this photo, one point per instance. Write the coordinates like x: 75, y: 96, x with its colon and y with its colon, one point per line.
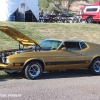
x: 91, y: 69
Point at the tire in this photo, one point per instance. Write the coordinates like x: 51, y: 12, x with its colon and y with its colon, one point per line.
x: 89, y: 20
x: 94, y: 68
x: 33, y: 70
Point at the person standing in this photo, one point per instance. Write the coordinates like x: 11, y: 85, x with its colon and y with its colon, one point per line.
x: 41, y: 16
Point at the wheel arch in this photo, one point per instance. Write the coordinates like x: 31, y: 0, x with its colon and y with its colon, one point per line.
x: 31, y: 60
x: 95, y: 57
x: 90, y: 16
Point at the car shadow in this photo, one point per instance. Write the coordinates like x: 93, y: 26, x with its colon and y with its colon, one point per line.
x: 51, y: 75
x: 66, y: 74
x: 5, y: 77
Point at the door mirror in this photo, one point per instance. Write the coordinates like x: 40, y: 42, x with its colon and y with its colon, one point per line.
x: 64, y: 48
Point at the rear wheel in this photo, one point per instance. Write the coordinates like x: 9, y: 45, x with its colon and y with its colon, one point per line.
x: 33, y: 70
x: 95, y: 67
x: 89, y: 20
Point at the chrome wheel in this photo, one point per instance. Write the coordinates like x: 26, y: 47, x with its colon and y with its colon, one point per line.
x: 97, y: 67
x: 34, y: 70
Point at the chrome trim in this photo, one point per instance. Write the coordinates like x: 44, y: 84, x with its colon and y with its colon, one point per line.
x: 97, y: 67
x: 80, y: 46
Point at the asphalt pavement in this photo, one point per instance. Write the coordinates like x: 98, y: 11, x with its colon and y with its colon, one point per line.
x: 63, y: 85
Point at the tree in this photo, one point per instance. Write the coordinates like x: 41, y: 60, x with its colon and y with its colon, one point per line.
x: 44, y: 4
x: 92, y: 1
x: 59, y: 6
x: 70, y: 3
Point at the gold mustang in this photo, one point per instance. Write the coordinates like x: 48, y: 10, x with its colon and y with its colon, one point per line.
x: 49, y: 55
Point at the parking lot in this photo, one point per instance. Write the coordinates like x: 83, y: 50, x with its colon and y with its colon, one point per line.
x: 64, y: 85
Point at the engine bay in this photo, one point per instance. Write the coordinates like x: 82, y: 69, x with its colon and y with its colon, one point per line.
x: 5, y: 53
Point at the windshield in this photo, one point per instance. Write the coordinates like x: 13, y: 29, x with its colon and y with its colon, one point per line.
x: 50, y: 44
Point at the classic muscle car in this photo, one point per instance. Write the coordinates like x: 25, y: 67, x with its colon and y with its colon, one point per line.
x: 49, y: 55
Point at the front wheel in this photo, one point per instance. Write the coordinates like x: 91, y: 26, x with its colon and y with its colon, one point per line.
x: 94, y: 68
x: 33, y: 70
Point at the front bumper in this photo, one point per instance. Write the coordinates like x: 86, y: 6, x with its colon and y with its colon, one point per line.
x: 4, y: 66
x: 9, y: 66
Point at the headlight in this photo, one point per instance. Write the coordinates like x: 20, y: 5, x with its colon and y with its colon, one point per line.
x: 5, y: 60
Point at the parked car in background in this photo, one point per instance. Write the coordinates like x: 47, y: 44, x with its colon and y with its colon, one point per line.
x: 66, y: 17
x: 91, y: 14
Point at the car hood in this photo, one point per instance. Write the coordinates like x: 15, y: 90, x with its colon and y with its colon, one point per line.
x: 18, y: 36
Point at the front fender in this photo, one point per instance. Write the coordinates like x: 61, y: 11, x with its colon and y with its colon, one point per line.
x: 33, y: 59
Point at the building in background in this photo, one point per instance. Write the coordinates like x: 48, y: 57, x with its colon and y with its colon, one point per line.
x: 19, y: 10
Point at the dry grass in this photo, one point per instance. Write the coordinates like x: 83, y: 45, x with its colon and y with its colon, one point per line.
x: 40, y: 31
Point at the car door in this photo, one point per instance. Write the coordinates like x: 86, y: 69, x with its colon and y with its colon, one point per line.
x: 72, y: 57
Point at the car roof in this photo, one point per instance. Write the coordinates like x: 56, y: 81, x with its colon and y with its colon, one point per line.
x: 92, y: 6
x: 74, y: 40
x: 65, y: 40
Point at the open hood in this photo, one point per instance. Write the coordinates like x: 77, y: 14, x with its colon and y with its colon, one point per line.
x: 18, y: 36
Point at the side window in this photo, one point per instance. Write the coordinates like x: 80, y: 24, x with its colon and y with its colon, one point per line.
x: 72, y: 46
x: 88, y: 9
x: 91, y: 9
x: 94, y: 9
x: 83, y: 45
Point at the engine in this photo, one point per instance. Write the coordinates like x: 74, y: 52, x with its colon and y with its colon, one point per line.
x: 4, y: 54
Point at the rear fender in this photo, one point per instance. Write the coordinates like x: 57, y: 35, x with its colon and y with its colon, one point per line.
x: 95, y: 57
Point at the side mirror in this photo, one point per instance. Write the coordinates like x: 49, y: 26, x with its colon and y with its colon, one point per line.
x: 64, y: 48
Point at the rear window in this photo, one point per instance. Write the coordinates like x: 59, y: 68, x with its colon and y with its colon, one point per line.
x: 91, y: 9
